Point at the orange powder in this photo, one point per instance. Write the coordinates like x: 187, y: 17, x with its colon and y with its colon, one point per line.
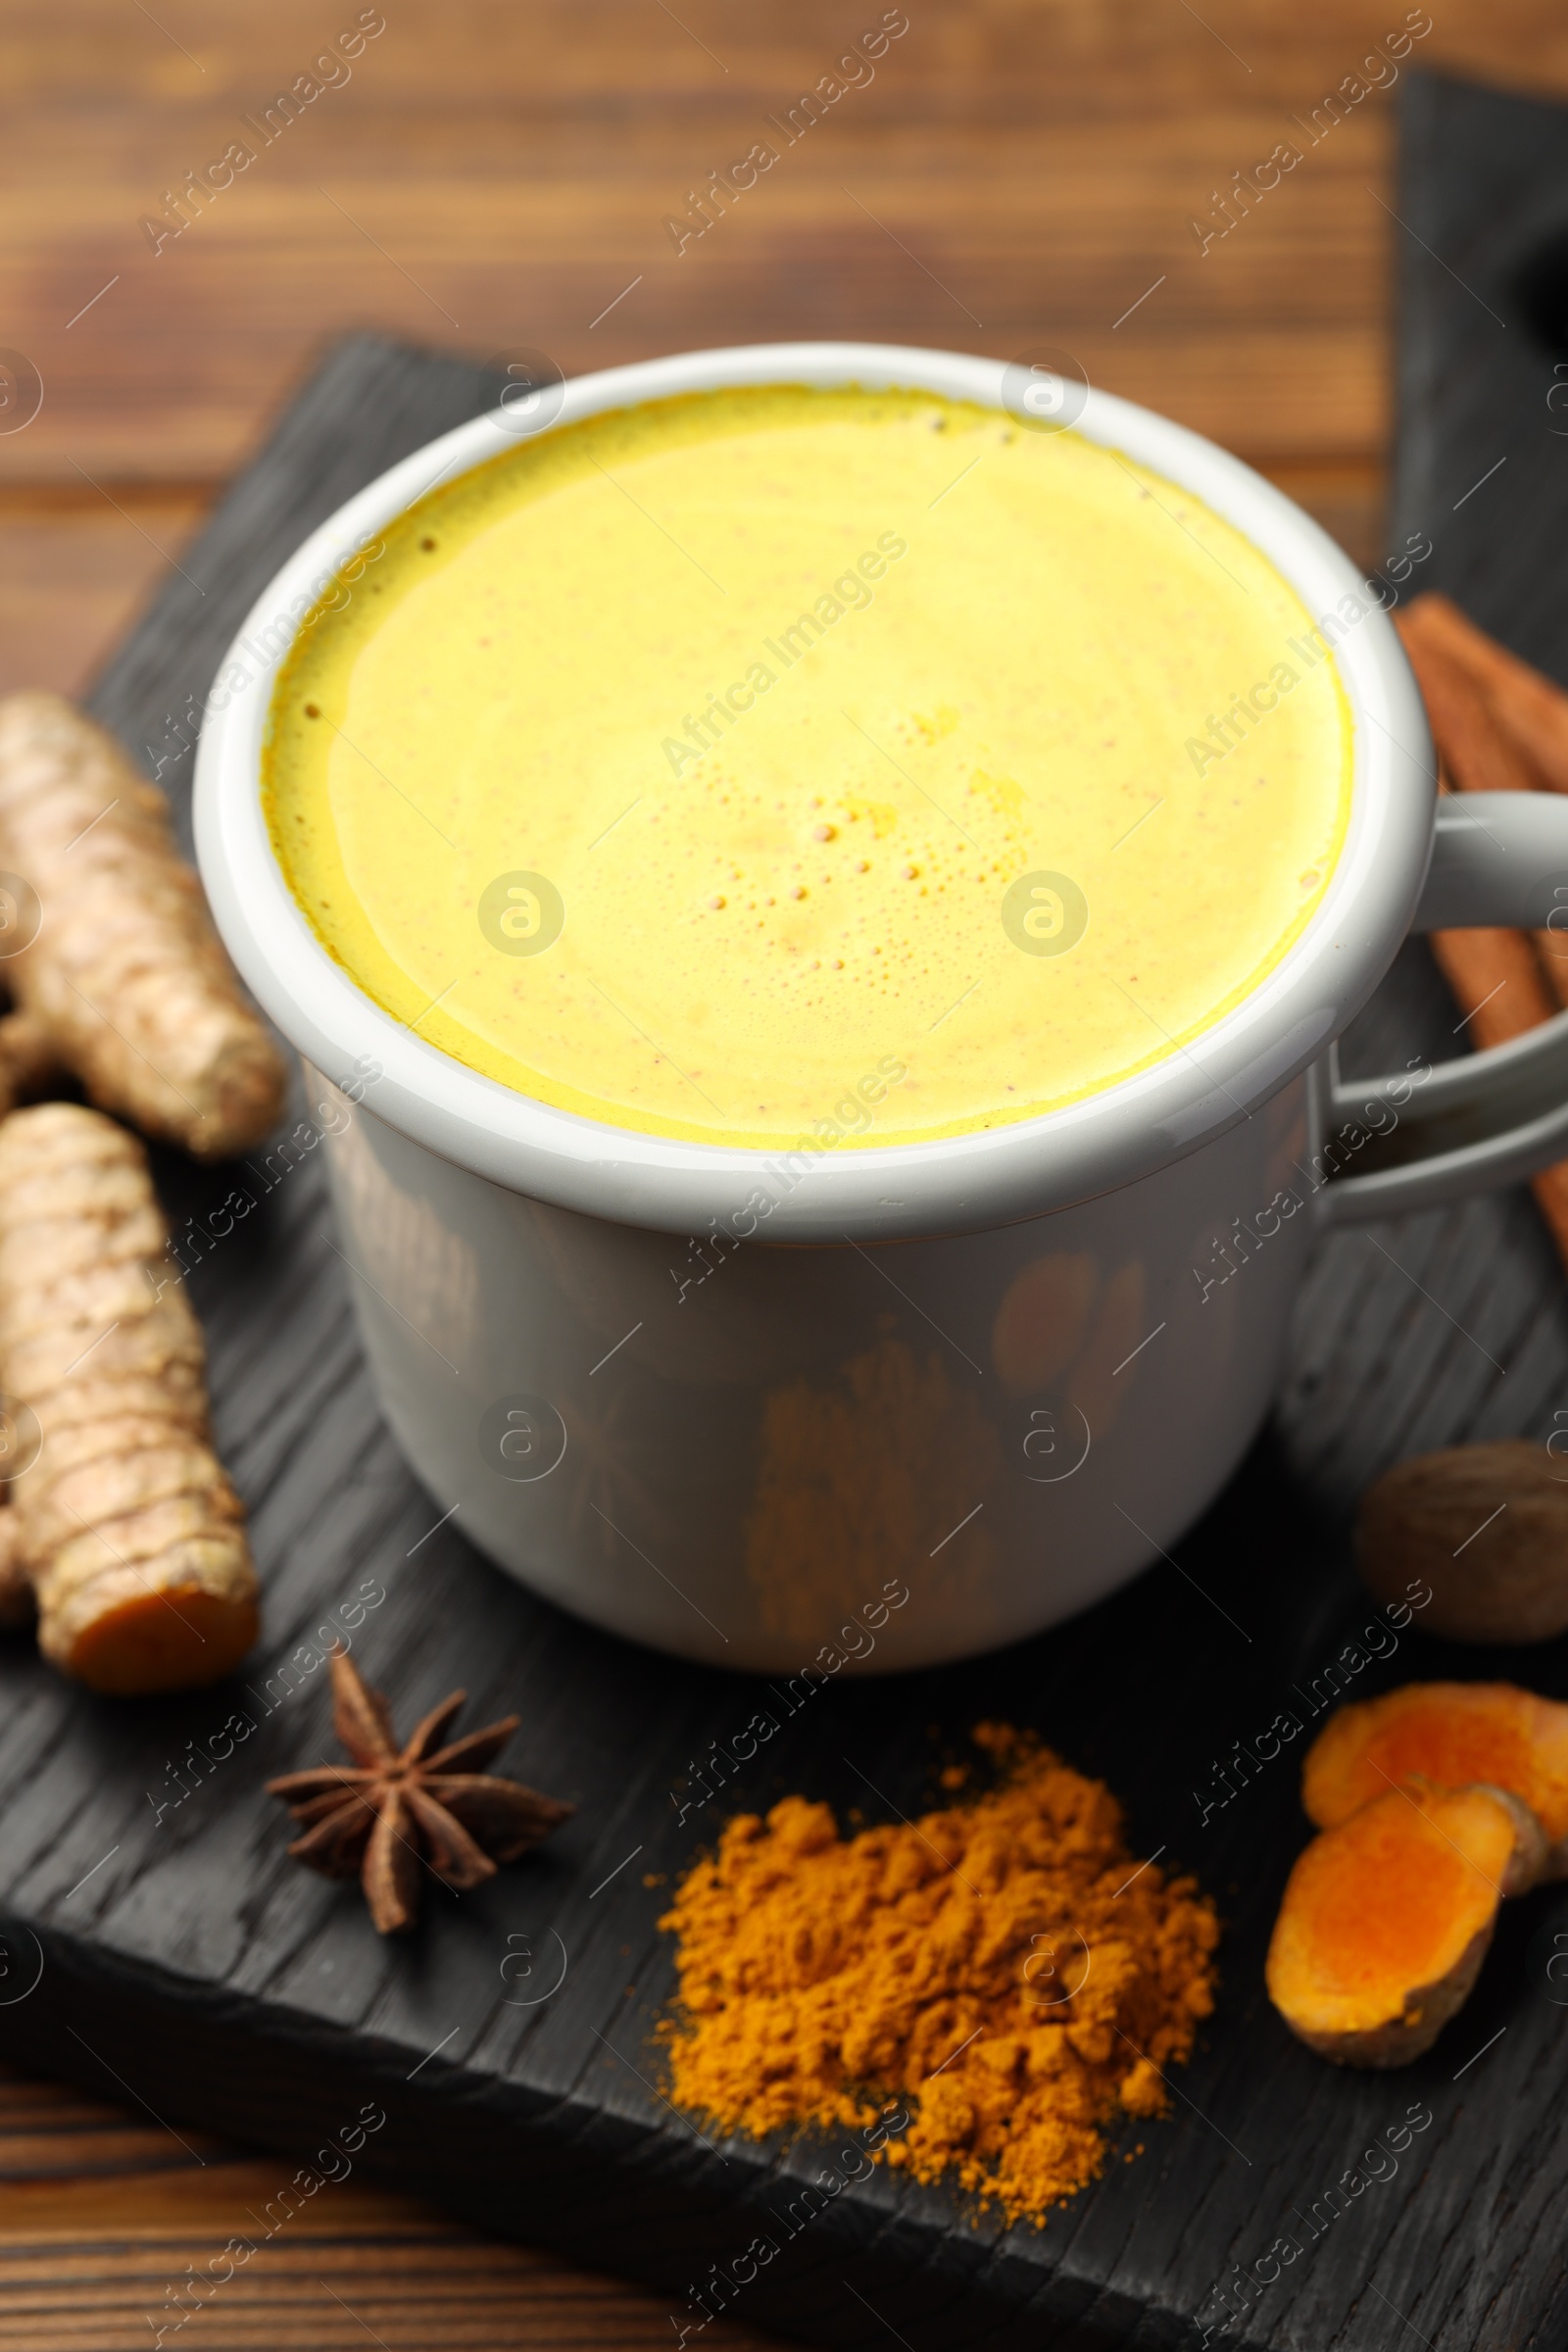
x: 1004, y: 1967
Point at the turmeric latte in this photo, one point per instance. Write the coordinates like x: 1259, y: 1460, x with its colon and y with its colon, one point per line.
x: 709, y: 766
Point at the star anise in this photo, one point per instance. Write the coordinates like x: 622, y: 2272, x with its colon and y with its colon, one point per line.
x: 395, y: 1808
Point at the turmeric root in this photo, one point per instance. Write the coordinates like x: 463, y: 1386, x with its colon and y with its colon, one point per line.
x: 1385, y: 1918
x: 125, y: 973
x: 1486, y: 1526
x: 27, y: 1060
x: 125, y: 1524
x: 1445, y: 1735
x: 16, y: 1586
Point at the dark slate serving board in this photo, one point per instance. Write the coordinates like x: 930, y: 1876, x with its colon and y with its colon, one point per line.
x: 186, y: 1964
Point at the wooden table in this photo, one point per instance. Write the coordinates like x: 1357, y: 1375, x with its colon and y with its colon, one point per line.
x: 490, y: 178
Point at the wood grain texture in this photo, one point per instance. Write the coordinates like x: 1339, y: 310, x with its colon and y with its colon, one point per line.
x: 74, y: 571
x: 489, y: 177
x: 187, y: 1963
x: 95, y: 2254
x: 1477, y: 408
x: 526, y: 159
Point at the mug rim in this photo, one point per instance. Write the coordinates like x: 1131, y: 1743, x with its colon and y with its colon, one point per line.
x: 962, y: 1183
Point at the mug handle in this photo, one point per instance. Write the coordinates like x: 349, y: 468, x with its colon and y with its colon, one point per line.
x: 1488, y: 1118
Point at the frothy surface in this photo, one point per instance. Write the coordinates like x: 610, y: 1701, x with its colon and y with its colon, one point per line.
x: 692, y: 765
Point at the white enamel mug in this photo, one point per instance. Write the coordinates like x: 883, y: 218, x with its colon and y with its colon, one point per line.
x: 883, y: 1407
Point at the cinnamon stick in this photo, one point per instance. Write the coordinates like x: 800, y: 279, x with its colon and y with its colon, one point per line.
x: 1465, y: 679
x: 1497, y: 981
x: 1528, y: 711
x: 1552, y: 950
x: 1550, y: 1189
x: 1499, y: 726
x: 1473, y: 745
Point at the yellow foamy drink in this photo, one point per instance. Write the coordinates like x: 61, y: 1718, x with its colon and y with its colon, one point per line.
x: 768, y: 764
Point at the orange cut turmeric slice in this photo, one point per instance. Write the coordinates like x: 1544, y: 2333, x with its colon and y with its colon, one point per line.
x: 1448, y: 1736
x: 1386, y: 1919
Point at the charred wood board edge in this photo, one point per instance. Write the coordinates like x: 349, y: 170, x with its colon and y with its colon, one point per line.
x: 185, y: 1962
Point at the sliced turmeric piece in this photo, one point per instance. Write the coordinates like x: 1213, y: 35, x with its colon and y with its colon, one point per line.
x: 125, y: 974
x: 124, y: 1525
x: 1444, y: 1734
x: 1386, y: 1919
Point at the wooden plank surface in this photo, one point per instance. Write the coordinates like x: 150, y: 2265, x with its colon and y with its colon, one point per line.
x: 1043, y: 161
x: 486, y: 175
x: 489, y: 176
x: 108, y: 2215
x: 189, y: 1965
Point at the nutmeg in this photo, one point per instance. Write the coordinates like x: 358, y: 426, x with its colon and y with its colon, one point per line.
x: 1486, y: 1526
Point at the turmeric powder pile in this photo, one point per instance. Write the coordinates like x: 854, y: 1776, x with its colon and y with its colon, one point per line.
x: 1004, y: 1967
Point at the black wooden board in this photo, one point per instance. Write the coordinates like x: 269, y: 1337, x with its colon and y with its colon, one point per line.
x: 166, y: 1951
